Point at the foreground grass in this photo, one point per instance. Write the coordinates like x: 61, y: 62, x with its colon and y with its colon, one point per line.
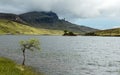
x: 10, y: 27
x: 8, y: 67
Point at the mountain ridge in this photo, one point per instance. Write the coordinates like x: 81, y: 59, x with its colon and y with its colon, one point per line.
x: 46, y: 20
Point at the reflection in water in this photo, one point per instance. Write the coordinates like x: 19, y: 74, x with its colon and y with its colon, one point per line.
x: 60, y: 55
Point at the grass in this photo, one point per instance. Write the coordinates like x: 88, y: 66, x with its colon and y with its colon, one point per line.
x: 10, y: 27
x: 108, y: 32
x: 9, y: 67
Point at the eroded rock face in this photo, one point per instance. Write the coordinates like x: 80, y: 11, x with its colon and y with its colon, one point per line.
x: 39, y: 17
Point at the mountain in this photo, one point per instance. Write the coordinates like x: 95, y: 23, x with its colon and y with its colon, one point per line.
x: 11, y: 27
x: 46, y: 20
x: 39, y: 17
x: 108, y: 32
x: 50, y: 20
x: 12, y: 17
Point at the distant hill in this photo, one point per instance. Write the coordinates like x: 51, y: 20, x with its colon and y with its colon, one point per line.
x: 46, y: 20
x: 11, y: 27
x: 108, y: 32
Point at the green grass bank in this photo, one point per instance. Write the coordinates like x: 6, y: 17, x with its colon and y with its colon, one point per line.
x: 9, y: 67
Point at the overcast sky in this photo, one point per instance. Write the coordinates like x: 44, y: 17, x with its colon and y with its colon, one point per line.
x: 100, y: 14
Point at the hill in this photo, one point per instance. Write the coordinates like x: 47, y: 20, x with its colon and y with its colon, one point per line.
x: 108, y: 32
x: 46, y: 20
x: 50, y: 20
x: 12, y: 17
x: 11, y: 27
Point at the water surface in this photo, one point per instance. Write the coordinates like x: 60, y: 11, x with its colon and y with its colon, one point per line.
x: 62, y: 55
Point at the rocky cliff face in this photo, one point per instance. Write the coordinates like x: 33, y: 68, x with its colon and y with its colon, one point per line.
x: 39, y: 17
x: 47, y: 20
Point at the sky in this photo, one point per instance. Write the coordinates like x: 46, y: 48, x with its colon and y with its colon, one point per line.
x: 101, y: 14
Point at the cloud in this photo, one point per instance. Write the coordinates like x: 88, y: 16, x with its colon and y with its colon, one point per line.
x: 65, y: 8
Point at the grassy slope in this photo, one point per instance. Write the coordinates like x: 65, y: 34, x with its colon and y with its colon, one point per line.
x: 109, y: 32
x: 8, y: 67
x: 10, y: 27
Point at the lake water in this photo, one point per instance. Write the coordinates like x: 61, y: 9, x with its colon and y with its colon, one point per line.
x: 62, y: 55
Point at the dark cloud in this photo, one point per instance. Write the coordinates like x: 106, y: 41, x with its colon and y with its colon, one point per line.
x: 64, y: 8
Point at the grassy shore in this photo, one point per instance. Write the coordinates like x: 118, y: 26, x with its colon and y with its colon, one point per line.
x: 9, y: 67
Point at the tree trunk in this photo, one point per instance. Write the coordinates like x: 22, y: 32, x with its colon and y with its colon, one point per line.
x: 23, y: 63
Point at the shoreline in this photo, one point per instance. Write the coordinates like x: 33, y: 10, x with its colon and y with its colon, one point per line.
x: 9, y: 66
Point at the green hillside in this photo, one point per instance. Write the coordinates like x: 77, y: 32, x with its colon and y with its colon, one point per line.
x: 108, y: 32
x: 9, y: 67
x: 11, y: 27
